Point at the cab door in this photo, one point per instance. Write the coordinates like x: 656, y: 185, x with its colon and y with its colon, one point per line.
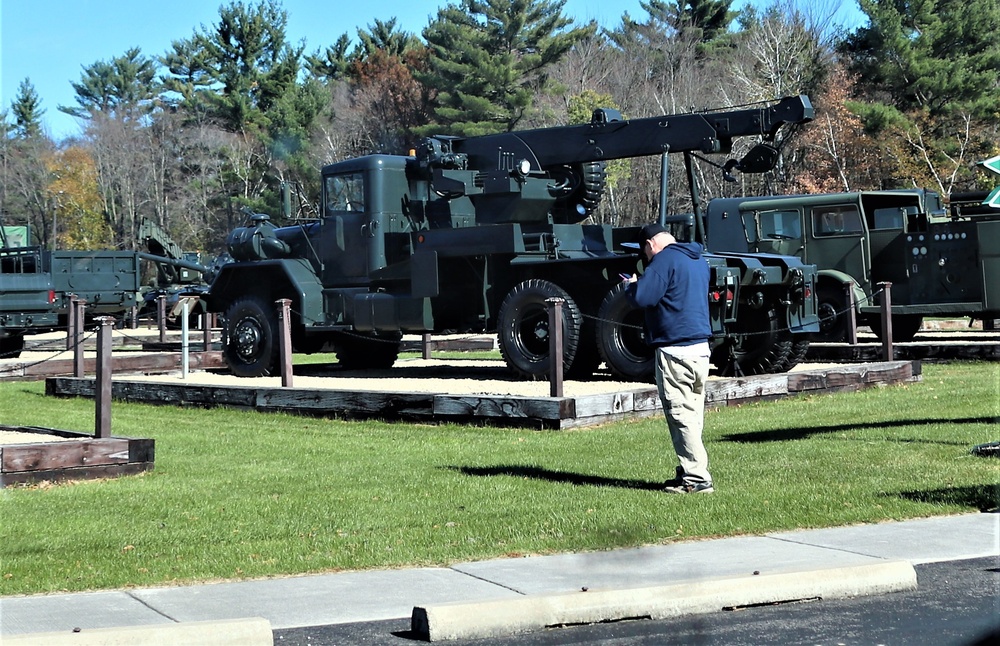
x: 838, y: 241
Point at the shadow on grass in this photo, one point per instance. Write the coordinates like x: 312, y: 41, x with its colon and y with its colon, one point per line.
x: 785, y: 434
x: 568, y: 477
x: 983, y: 497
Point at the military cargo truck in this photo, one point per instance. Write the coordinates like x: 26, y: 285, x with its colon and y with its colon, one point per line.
x: 36, y: 284
x: 476, y: 234
x: 941, y: 263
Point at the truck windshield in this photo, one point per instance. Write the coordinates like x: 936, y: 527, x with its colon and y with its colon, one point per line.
x: 345, y: 192
x: 772, y: 225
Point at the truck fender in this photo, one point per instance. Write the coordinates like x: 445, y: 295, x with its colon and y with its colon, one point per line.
x: 293, y: 279
x: 835, y: 279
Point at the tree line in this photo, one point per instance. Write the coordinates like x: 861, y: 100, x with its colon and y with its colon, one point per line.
x: 189, y: 137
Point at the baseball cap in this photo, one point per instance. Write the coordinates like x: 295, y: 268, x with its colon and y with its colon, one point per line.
x: 645, y: 233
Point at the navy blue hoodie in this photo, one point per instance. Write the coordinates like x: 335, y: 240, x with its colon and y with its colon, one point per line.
x: 673, y: 292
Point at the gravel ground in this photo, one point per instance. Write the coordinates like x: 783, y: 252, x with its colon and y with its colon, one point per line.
x: 453, y: 376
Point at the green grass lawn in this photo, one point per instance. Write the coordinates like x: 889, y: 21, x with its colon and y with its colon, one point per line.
x: 239, y: 494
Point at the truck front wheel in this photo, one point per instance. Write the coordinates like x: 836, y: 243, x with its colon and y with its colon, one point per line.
x: 251, y: 348
x: 833, y: 315
x: 523, y: 328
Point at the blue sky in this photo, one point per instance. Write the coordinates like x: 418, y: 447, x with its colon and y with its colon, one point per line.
x: 50, y: 41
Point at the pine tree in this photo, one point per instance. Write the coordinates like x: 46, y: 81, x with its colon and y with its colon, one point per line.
x: 27, y: 110
x: 928, y: 73
x: 124, y: 86
x: 488, y: 58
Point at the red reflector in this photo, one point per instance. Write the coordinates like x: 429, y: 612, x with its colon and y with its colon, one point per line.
x: 729, y: 294
x: 716, y: 297
x: 52, y: 296
x: 808, y: 292
x: 420, y: 238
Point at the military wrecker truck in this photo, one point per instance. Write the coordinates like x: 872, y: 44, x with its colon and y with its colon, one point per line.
x: 943, y: 263
x: 475, y: 234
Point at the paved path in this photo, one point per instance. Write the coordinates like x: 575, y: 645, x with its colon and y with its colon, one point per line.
x: 318, y: 600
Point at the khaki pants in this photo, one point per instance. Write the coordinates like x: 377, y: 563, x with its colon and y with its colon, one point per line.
x: 681, y: 382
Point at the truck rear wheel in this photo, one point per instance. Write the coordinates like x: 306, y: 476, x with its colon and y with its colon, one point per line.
x: 904, y: 327
x: 758, y: 347
x: 523, y: 328
x: 799, y: 347
x: 621, y: 338
x: 11, y: 346
x: 251, y: 348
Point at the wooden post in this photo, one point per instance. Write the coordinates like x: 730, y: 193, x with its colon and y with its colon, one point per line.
x: 71, y: 322
x: 888, y: 353
x: 425, y: 345
x: 555, y: 347
x: 102, y: 387
x: 285, y: 340
x: 852, y: 317
x: 207, y: 323
x: 161, y: 316
x: 78, y: 307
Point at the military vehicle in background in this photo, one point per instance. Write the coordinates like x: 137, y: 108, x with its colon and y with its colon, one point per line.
x: 36, y: 284
x: 476, y: 234
x: 179, y: 273
x: 940, y: 262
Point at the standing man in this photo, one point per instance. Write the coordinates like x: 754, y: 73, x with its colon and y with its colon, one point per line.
x: 673, y: 292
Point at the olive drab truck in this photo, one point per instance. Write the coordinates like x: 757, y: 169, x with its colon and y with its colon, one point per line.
x: 940, y: 262
x: 37, y: 284
x: 476, y: 234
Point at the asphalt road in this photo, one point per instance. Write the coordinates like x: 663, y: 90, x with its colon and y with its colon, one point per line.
x: 956, y: 603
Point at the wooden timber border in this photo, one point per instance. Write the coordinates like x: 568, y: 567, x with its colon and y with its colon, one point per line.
x: 500, y: 410
x: 75, y: 456
x: 945, y: 350
x: 148, y: 362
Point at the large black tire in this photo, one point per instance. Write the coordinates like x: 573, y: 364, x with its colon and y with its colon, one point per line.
x: 621, y: 338
x: 757, y: 347
x: 904, y: 327
x: 251, y: 348
x: 580, y: 187
x: 366, y: 352
x: 11, y: 346
x: 523, y: 328
x: 831, y: 306
x: 799, y: 347
x: 588, y: 358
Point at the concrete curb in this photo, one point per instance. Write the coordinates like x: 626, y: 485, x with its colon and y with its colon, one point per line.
x: 233, y: 632
x: 528, y: 613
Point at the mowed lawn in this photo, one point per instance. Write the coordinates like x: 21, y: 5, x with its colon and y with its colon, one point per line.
x: 239, y: 494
